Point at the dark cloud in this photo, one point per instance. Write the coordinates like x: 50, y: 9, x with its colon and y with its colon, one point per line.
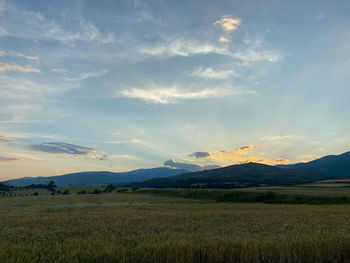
x: 3, y: 139
x: 7, y: 159
x: 61, y: 147
x: 200, y: 154
x: 103, y: 157
x: 187, y: 166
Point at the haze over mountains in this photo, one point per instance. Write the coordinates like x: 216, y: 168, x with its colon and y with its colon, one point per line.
x: 189, y: 175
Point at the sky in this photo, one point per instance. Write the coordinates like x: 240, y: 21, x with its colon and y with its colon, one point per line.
x: 121, y: 85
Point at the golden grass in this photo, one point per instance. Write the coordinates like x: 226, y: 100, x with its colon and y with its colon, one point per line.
x: 131, y: 227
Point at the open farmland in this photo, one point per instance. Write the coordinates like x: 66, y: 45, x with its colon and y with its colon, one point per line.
x: 134, y: 227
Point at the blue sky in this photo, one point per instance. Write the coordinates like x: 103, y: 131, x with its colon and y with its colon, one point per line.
x: 120, y: 85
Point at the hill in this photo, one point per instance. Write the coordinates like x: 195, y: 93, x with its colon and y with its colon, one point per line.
x: 336, y: 166
x: 235, y: 176
x: 101, y: 177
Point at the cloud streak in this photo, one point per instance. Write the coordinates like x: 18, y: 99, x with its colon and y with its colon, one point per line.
x: 15, y: 67
x: 61, y: 147
x: 174, y: 94
x: 210, y: 73
x: 8, y: 159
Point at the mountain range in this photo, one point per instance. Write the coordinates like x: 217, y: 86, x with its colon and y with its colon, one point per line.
x: 101, y: 177
x: 242, y: 175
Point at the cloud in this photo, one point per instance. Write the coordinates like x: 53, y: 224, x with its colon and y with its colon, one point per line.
x: 277, y: 137
x: 8, y: 159
x: 251, y: 55
x: 87, y: 75
x: 39, y: 27
x: 228, y: 23
x: 243, y: 150
x: 116, y: 133
x: 15, y: 67
x: 189, y: 127
x: 3, y: 138
x: 59, y: 70
x: 126, y: 142
x: 16, y: 54
x: 181, y: 47
x: 200, y: 154
x: 186, y: 166
x: 212, y: 74
x: 173, y: 94
x: 61, y: 147
x: 223, y: 39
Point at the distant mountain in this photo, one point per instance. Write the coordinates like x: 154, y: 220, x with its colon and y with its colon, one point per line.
x: 88, y: 178
x: 335, y: 166
x: 234, y: 176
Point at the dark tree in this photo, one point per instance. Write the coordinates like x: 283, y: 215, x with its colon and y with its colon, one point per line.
x: 110, y: 187
x: 3, y: 187
x: 51, y: 185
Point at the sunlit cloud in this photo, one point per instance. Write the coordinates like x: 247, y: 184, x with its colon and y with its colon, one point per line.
x: 243, y: 150
x: 210, y: 73
x: 223, y: 39
x: 17, y: 54
x: 181, y: 47
x: 116, y: 133
x: 15, y: 67
x: 174, y: 94
x: 229, y: 23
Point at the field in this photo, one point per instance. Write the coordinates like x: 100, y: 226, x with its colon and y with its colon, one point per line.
x: 143, y: 227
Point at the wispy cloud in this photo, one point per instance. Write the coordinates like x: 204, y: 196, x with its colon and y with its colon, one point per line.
x: 87, y: 75
x: 125, y: 142
x: 16, y: 54
x: 277, y: 137
x: 181, y: 47
x: 210, y: 73
x: 15, y: 67
x: 4, y: 139
x: 39, y: 27
x: 8, y: 159
x: 174, y: 94
x: 61, y: 147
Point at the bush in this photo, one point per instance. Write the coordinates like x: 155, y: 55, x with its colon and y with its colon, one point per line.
x: 96, y: 191
x: 83, y: 192
x: 66, y: 192
x: 110, y: 187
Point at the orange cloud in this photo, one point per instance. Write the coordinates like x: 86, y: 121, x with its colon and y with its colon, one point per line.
x: 244, y: 149
x: 223, y: 39
x: 228, y: 23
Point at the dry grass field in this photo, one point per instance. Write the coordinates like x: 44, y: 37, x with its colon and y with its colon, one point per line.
x: 134, y: 227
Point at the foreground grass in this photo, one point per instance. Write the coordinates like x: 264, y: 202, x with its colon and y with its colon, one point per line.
x: 131, y: 227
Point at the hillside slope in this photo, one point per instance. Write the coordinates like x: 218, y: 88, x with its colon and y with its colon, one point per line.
x: 336, y: 166
x: 101, y: 177
x: 234, y: 176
